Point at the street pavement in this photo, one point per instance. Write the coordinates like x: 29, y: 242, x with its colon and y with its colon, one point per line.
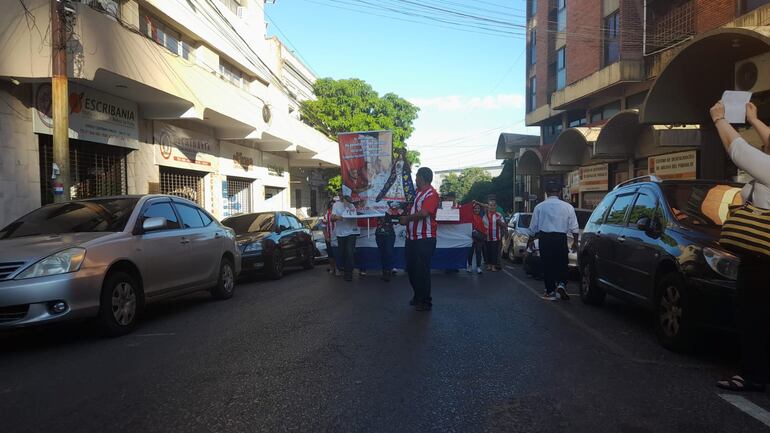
x: 310, y: 353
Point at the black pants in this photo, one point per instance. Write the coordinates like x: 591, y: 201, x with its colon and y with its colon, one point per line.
x: 753, y: 316
x: 347, y: 249
x: 476, y: 249
x: 418, y: 256
x: 555, y: 257
x: 493, y: 252
x: 385, y: 246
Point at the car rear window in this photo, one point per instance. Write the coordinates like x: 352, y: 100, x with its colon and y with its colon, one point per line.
x: 701, y: 205
x: 106, y: 215
x: 251, y: 223
x: 524, y: 220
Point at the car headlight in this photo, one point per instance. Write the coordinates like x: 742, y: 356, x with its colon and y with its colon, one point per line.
x: 253, y: 247
x: 723, y: 263
x: 62, y: 262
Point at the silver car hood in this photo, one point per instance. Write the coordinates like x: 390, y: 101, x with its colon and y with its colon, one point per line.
x: 33, y: 248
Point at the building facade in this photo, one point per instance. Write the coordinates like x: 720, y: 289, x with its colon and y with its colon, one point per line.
x: 166, y: 96
x: 591, y: 65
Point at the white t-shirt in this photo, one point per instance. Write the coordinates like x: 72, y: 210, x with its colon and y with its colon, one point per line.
x: 348, y: 226
x: 757, y: 164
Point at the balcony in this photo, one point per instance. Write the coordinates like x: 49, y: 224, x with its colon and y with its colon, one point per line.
x: 612, y: 77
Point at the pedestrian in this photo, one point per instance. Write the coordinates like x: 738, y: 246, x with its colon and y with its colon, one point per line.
x: 752, y: 300
x: 421, y: 239
x: 346, y: 232
x: 552, y: 220
x: 329, y: 238
x: 494, y: 226
x: 478, y: 240
x: 385, y: 236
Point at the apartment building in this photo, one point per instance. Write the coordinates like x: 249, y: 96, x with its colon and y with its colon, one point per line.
x: 621, y: 88
x: 183, y: 97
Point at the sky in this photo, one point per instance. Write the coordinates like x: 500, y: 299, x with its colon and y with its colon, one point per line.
x: 469, y: 86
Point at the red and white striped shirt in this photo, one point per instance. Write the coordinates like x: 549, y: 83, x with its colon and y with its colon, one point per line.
x: 426, y: 199
x: 329, y: 225
x: 492, y: 225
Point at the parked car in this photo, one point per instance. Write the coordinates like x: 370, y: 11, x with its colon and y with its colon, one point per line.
x: 582, y: 216
x: 655, y: 243
x: 515, y: 240
x: 108, y: 257
x: 269, y: 241
x: 316, y: 226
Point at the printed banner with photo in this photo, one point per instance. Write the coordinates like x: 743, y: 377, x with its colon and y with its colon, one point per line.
x: 376, y: 181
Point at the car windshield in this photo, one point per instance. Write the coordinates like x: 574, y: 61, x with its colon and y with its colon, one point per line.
x: 313, y: 223
x: 105, y: 215
x: 701, y: 205
x: 524, y: 220
x: 251, y: 223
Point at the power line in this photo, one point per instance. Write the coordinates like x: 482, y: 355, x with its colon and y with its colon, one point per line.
x: 291, y: 44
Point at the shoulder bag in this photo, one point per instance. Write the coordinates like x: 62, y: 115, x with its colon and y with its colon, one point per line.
x: 746, y: 230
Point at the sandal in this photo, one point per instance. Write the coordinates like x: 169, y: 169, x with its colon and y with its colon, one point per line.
x: 738, y: 384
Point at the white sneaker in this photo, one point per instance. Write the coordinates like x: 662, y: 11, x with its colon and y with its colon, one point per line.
x: 550, y: 296
x: 362, y: 273
x: 469, y: 269
x: 478, y: 270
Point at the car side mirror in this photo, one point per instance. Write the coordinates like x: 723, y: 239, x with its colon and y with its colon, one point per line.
x: 644, y: 224
x: 154, y: 224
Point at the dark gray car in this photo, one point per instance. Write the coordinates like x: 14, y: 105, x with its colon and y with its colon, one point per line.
x: 107, y: 257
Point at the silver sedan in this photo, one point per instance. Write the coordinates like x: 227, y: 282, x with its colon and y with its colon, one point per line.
x: 107, y: 257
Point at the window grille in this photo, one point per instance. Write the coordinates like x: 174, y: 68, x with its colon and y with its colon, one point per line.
x: 238, y: 196
x: 182, y: 183
x: 96, y: 170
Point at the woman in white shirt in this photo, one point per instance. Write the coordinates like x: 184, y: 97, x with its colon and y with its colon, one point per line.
x: 753, y: 293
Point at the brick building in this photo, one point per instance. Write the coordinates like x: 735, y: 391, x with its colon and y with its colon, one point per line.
x: 591, y: 65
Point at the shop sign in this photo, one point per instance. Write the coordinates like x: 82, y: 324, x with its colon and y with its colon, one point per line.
x: 182, y: 148
x: 573, y: 179
x: 94, y: 116
x: 594, y: 178
x: 681, y: 165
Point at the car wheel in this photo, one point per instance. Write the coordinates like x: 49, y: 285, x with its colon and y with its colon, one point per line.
x: 590, y: 293
x: 672, y: 316
x: 309, y: 260
x: 119, y: 304
x: 225, y: 287
x: 275, y: 265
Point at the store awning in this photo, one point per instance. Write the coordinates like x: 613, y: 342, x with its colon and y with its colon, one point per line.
x: 572, y: 148
x: 618, y: 136
x: 696, y: 77
x: 509, y: 145
x: 530, y: 162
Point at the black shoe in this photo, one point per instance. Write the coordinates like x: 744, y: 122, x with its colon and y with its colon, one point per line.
x: 412, y: 302
x: 422, y: 307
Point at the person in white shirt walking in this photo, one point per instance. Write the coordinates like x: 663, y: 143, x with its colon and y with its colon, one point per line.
x: 346, y: 231
x: 552, y: 220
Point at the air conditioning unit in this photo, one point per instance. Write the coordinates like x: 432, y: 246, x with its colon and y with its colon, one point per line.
x: 753, y: 74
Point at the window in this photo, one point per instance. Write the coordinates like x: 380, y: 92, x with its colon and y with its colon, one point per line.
x: 643, y: 208
x: 158, y: 31
x: 230, y: 73
x: 750, y: 5
x: 205, y: 218
x: 561, y: 68
x: 612, y: 38
x: 251, y: 223
x: 597, y: 217
x: 191, y: 219
x: 605, y: 111
x: 618, y: 211
x: 532, y: 8
x: 163, y: 210
x: 233, y: 5
x: 577, y: 118
x: 297, y: 198
x: 532, y: 94
x: 533, y: 47
x: 283, y: 222
x: 294, y: 222
x: 561, y: 15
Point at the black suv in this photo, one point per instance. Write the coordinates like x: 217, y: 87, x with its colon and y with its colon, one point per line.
x: 655, y: 243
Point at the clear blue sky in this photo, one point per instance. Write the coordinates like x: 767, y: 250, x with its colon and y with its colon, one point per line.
x: 470, y: 86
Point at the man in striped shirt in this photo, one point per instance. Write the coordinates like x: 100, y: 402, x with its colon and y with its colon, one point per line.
x: 494, y: 225
x: 421, y: 238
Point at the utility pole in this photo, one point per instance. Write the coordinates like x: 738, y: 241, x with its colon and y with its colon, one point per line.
x: 60, y: 102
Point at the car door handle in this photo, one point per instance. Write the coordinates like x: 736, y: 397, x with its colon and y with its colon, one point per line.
x: 184, y: 241
x: 621, y: 238
x: 217, y: 235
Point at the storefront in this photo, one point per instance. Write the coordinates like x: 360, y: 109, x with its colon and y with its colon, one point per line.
x: 103, y: 130
x: 275, y: 182
x: 186, y: 160
x: 240, y: 173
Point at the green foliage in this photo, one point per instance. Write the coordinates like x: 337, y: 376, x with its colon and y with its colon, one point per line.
x: 501, y: 186
x: 352, y: 105
x: 334, y: 185
x: 463, y: 183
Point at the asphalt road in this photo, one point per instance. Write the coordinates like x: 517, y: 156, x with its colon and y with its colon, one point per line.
x: 312, y: 353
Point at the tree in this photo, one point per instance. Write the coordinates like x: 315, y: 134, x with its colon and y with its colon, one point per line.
x: 501, y: 187
x: 463, y: 183
x: 353, y: 105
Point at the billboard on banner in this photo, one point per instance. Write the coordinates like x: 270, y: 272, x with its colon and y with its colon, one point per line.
x: 370, y: 176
